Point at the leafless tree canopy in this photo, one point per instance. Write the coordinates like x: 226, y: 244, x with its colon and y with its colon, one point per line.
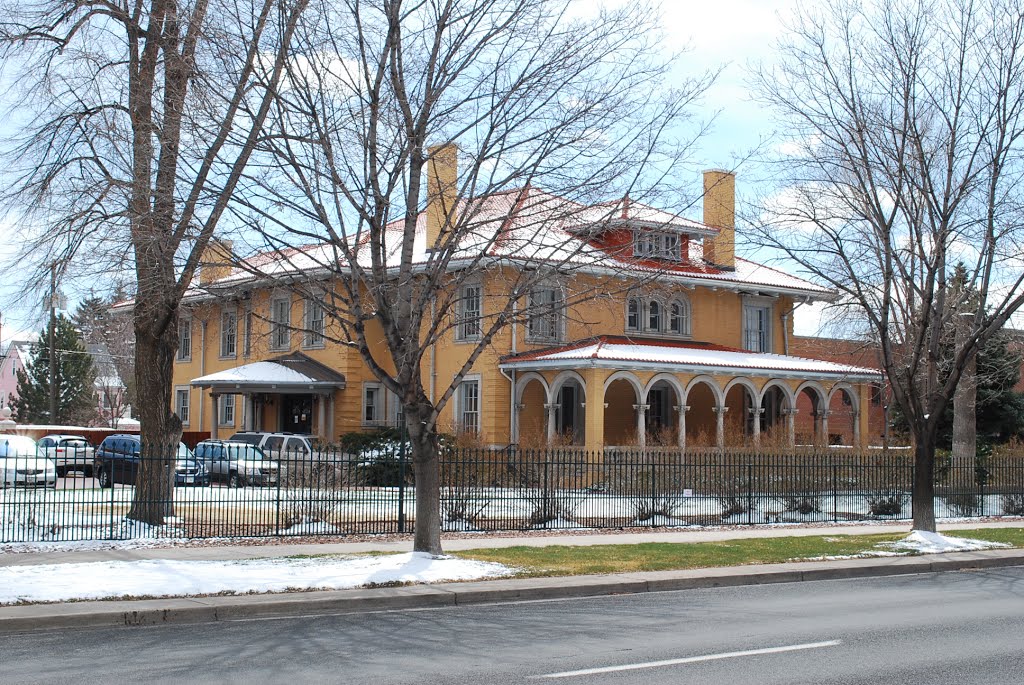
x: 905, y: 161
x: 552, y: 106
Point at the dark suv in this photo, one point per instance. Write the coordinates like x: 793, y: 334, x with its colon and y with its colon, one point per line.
x: 118, y: 456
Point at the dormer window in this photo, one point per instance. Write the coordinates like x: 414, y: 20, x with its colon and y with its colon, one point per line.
x: 656, y: 245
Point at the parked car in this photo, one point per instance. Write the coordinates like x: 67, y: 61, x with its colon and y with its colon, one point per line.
x: 118, y: 456
x: 70, y: 452
x: 23, y: 466
x: 237, y: 463
x: 283, y: 446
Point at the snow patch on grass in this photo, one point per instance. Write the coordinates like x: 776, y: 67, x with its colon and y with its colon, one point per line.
x: 924, y: 542
x: 172, y: 578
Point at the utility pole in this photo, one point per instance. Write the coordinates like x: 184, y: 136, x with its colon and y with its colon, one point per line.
x: 52, y: 345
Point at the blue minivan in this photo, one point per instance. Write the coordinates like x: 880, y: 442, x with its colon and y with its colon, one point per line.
x: 118, y: 456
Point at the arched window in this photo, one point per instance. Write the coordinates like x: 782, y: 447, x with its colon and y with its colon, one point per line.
x: 679, y: 317
x: 633, y: 314
x: 654, y: 316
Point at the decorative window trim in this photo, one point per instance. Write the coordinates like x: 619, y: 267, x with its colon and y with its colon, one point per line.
x: 748, y: 305
x: 280, y: 330
x: 378, y: 404
x: 685, y: 315
x: 634, y: 311
x: 462, y: 408
x: 226, y: 410
x: 313, y: 336
x: 468, y: 323
x: 232, y: 350
x: 665, y: 303
x: 186, y: 391
x: 247, y: 333
x: 184, y: 326
x: 652, y: 304
x: 556, y: 314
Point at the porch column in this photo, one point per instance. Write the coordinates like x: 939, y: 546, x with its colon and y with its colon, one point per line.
x: 641, y: 423
x: 551, y: 407
x: 756, y: 415
x: 681, y: 411
x: 250, y: 413
x: 330, y: 416
x: 215, y: 419
x: 863, y: 430
x: 824, y: 428
x: 790, y: 415
x: 321, y: 417
x: 593, y: 413
x: 720, y: 425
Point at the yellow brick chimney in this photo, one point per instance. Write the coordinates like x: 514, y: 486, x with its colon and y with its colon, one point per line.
x: 720, y: 212
x: 216, y: 261
x: 442, y: 191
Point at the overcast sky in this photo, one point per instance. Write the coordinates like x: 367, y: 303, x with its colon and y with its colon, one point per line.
x: 727, y: 33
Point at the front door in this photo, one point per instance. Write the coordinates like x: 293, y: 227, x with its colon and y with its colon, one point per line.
x: 296, y: 413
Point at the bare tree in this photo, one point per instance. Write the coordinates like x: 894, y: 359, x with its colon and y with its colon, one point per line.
x: 905, y: 159
x: 140, y: 117
x: 542, y: 111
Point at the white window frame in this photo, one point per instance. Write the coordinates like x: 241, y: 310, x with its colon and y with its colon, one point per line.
x: 226, y: 410
x: 180, y: 392
x: 466, y: 409
x: 313, y: 336
x: 184, y: 339
x: 685, y: 316
x: 228, y: 334
x: 468, y: 321
x: 666, y: 246
x: 378, y: 405
x: 759, y: 340
x: 555, y: 315
x: 638, y: 313
x: 280, y: 327
x: 660, y: 325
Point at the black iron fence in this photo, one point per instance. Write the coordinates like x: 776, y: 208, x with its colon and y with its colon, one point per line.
x: 337, y: 493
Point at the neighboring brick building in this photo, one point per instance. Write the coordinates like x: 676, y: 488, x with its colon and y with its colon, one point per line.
x: 856, y: 353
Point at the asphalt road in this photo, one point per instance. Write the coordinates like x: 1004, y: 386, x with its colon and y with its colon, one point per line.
x: 934, y: 629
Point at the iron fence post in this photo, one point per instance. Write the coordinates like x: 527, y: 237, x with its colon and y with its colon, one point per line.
x: 401, y: 478
x: 545, y: 502
x: 750, y: 494
x: 835, y: 494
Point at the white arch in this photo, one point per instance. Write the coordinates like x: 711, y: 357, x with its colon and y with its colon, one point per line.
x: 672, y: 381
x: 716, y: 391
x: 844, y: 386
x: 631, y: 378
x: 525, y: 379
x: 783, y: 387
x: 561, y: 380
x: 817, y: 388
x: 743, y: 381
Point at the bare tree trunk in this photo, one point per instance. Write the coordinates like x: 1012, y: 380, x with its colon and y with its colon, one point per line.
x: 924, y: 485
x: 965, y: 432
x: 426, y: 469
x: 155, y: 349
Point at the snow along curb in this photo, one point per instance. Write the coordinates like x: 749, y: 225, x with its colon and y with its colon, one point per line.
x: 240, y: 607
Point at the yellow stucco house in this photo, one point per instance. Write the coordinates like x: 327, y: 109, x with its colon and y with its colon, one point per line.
x: 697, y: 353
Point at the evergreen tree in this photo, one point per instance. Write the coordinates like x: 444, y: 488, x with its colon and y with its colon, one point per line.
x: 74, y: 377
x: 91, y: 318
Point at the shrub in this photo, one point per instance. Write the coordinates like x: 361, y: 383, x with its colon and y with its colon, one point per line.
x: 803, y: 504
x: 963, y: 504
x: 886, y: 505
x: 1013, y: 505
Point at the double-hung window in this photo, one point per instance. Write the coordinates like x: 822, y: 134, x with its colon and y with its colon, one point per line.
x: 184, y: 339
x: 181, y: 404
x: 228, y: 332
x: 469, y: 406
x: 314, y: 324
x: 468, y: 311
x: 373, y: 404
x: 757, y: 326
x: 633, y: 314
x: 280, y: 320
x: 545, y: 324
x: 227, y: 410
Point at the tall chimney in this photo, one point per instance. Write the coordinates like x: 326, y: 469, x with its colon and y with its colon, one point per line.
x: 216, y: 261
x: 442, y: 191
x: 720, y: 213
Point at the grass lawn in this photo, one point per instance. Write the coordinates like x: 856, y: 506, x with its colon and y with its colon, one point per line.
x: 558, y: 560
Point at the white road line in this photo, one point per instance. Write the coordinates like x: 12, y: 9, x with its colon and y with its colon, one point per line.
x: 692, y: 659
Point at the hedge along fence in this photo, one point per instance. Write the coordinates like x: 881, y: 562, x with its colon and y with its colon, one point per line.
x: 346, y: 492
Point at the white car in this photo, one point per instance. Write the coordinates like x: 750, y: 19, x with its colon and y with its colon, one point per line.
x: 22, y: 466
x: 70, y: 452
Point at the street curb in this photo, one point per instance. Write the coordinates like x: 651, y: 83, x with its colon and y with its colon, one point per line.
x: 185, y: 610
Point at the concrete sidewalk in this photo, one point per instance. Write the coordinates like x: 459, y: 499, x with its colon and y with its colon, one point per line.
x: 212, y: 552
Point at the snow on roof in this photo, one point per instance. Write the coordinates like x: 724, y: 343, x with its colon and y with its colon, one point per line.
x: 295, y: 370
x: 534, y: 227
x: 693, y: 356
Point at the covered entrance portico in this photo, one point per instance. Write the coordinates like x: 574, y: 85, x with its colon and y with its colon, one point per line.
x: 292, y: 393
x: 671, y: 393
